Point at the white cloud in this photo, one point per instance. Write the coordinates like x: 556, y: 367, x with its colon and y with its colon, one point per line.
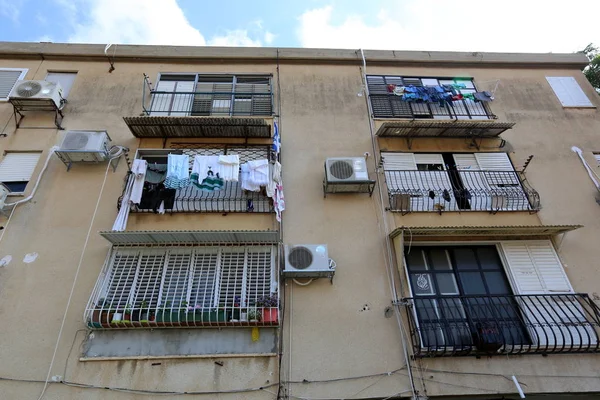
x: 237, y: 37
x: 457, y: 25
x: 160, y: 22
x: 269, y: 37
x: 11, y: 9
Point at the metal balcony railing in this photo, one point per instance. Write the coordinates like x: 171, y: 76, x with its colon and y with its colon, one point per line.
x: 438, y: 191
x: 503, y: 324
x: 250, y: 100
x: 230, y: 199
x: 391, y: 106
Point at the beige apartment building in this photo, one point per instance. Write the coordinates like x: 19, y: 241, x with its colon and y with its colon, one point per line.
x: 438, y: 237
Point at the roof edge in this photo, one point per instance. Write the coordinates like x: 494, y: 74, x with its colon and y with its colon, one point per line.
x: 468, y: 231
x: 272, y: 54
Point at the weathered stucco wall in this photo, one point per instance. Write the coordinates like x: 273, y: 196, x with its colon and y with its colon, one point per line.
x: 330, y: 331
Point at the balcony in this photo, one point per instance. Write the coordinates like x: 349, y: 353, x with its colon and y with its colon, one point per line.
x: 192, y: 108
x: 231, y: 199
x: 503, y: 324
x: 440, y: 191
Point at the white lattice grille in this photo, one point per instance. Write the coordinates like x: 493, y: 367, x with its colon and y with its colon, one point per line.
x: 185, y: 282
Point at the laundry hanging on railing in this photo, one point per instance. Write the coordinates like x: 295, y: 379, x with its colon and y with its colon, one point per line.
x: 223, y: 167
x: 229, y: 167
x: 441, y: 94
x: 255, y: 174
x: 276, y: 139
x: 138, y: 169
x: 178, y: 171
x: 274, y: 178
x: 279, y: 201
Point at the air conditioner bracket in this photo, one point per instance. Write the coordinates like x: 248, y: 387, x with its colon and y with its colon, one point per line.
x: 18, y: 106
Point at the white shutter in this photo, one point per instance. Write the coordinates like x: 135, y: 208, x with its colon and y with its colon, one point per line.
x: 204, y: 278
x: 148, y: 278
x: 170, y: 103
x: 258, y: 274
x: 182, y: 103
x: 231, y: 280
x: 535, y: 269
x: 568, y: 91
x: 66, y: 80
x: 8, y: 78
x: 161, y: 102
x: 18, y: 167
x: 174, y: 291
x: 493, y: 162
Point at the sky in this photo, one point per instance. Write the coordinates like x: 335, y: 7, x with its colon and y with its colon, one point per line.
x: 433, y: 25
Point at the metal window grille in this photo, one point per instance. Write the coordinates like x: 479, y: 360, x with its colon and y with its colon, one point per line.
x: 187, y: 286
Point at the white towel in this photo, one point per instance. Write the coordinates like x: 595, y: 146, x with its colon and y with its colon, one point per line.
x: 272, y: 183
x: 277, y: 172
x: 279, y: 201
x: 229, y: 167
x: 247, y: 184
x: 259, y: 172
x: 138, y: 168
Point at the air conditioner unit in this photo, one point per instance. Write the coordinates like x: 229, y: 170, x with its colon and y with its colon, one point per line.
x: 84, y: 146
x: 307, y: 261
x: 346, y: 169
x: 42, y: 91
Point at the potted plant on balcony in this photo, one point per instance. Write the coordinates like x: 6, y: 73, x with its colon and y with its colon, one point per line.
x: 167, y: 315
x: 101, y: 315
x: 268, y: 306
x: 254, y: 315
x: 127, y: 315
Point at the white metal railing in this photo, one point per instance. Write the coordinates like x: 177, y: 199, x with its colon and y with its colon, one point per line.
x: 197, y: 286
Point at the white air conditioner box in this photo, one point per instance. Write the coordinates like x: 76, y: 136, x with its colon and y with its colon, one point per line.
x: 307, y: 261
x: 346, y: 169
x: 42, y: 91
x: 84, y: 146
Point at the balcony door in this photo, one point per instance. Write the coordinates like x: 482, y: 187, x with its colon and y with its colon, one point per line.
x: 173, y: 96
x: 462, y: 298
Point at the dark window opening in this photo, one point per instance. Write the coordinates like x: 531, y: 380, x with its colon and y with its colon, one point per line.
x: 463, y: 299
x: 16, y: 187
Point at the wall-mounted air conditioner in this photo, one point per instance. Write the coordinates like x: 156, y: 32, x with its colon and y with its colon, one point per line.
x: 42, y: 91
x: 307, y: 261
x: 347, y: 175
x: 84, y: 146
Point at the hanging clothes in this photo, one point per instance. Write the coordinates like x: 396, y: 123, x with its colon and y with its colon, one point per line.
x: 212, y: 182
x: 276, y: 139
x: 138, y: 169
x: 156, y: 173
x: 259, y: 172
x: 279, y: 201
x: 229, y: 167
x: 178, y: 171
x: 201, y: 166
x: 246, y: 183
x: 483, y: 96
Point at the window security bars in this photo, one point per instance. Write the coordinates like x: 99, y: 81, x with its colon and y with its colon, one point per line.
x: 386, y: 104
x: 503, y: 324
x: 186, y: 287
x: 192, y: 200
x: 208, y: 95
x: 438, y: 191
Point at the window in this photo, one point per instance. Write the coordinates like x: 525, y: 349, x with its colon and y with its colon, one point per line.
x: 511, y: 295
x: 206, y: 95
x: 597, y: 157
x: 8, y: 78
x: 66, y: 80
x: 453, y: 182
x: 568, y: 91
x: 16, y: 169
x: 196, y: 285
x: 387, y: 102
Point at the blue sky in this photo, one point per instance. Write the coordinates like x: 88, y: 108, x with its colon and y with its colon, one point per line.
x: 447, y: 25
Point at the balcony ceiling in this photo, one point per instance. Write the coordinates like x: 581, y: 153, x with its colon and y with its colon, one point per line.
x: 443, y: 128
x: 498, y: 232
x: 198, y: 127
x: 190, y: 237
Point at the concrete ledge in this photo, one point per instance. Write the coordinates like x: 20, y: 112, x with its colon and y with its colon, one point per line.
x: 178, y: 343
x: 270, y: 54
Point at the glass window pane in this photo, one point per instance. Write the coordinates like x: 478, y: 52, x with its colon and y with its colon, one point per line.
x: 465, y: 258
x: 415, y: 260
x: 421, y: 284
x: 496, y: 282
x: 439, y: 259
x: 472, y: 283
x: 446, y: 283
x: 488, y: 257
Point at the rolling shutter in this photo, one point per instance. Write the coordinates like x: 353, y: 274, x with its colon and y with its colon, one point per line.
x: 18, y: 167
x: 568, y: 91
x: 232, y: 283
x: 203, y: 293
x: 258, y: 275
x: 8, y: 78
x: 174, y: 291
x: 536, y: 270
x: 147, y: 279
